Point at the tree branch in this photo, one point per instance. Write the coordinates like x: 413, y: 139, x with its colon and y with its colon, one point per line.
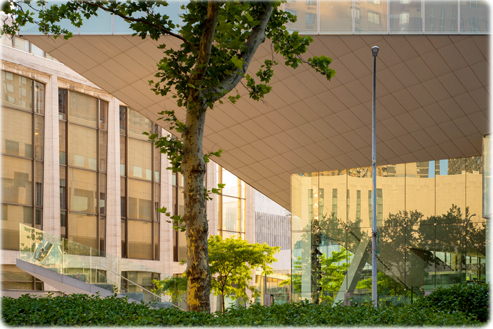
x: 162, y: 29
x: 254, y: 40
x: 206, y: 40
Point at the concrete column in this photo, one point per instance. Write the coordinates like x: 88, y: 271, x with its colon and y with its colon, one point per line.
x: 166, y: 229
x: 51, y: 171
x: 113, y: 200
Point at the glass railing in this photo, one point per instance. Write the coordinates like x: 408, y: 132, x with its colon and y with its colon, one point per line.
x: 83, y: 263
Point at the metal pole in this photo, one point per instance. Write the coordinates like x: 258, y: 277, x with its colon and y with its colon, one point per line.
x: 374, y: 51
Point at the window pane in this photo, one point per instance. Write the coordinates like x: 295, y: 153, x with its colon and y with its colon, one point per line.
x: 37, y: 51
x: 17, y: 180
x: 12, y: 216
x: 139, y: 200
x: 16, y: 133
x: 38, y: 197
x: 82, y: 191
x: 231, y: 182
x: 103, y: 115
x: 231, y: 209
x: 450, y: 185
x: 373, y: 17
x: 137, y: 124
x: 405, y: 16
x: 474, y: 16
x: 39, y: 94
x: 82, y: 147
x: 82, y: 229
x: 102, y: 233
x: 62, y: 142
x: 103, y: 145
x: 123, y: 152
x: 83, y: 109
x: 63, y: 188
x: 139, y: 158
x: 336, y: 16
x: 306, y: 13
x: 102, y: 194
x: 38, y: 137
x: 17, y: 91
x: 123, y: 197
x: 123, y: 120
x: 21, y: 44
x: 139, y: 240
x: 62, y: 104
x: 441, y: 17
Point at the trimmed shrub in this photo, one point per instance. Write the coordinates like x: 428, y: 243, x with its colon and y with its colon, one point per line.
x: 84, y: 310
x: 469, y: 298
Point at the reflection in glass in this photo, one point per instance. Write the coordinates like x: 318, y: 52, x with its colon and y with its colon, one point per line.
x: 137, y: 124
x: 140, y: 161
x: 82, y: 191
x: 139, y: 200
x: 12, y: 216
x: 405, y: 16
x: 16, y: 133
x: 139, y: 244
x: 82, y: 147
x: 336, y: 16
x: 83, y: 109
x: 83, y: 230
x: 17, y: 181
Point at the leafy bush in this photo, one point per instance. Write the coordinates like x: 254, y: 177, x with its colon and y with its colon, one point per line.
x: 469, y: 298
x: 84, y: 310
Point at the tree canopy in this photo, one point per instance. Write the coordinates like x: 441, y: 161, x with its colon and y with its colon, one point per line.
x: 233, y: 262
x: 218, y: 41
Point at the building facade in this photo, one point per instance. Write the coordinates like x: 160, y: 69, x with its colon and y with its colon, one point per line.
x: 75, y: 165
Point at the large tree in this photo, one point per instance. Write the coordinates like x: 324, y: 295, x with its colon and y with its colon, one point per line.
x: 218, y: 42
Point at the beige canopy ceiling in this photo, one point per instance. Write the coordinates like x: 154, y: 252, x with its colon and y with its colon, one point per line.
x: 432, y: 102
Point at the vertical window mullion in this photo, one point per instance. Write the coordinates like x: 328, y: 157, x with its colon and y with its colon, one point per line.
x: 98, y: 178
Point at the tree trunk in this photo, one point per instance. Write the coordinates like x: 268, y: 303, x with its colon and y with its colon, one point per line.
x: 222, y: 303
x: 193, y: 169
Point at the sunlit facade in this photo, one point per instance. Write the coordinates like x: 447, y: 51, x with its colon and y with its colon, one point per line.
x: 431, y: 230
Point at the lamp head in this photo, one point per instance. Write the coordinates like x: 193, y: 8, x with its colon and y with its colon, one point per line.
x: 374, y: 51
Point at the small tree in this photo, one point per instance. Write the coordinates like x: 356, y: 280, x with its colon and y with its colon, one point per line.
x: 232, y: 263
x: 174, y: 286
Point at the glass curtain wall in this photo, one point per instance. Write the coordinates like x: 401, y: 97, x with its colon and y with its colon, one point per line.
x: 23, y: 105
x: 431, y: 231
x: 82, y: 158
x: 140, y: 171
x: 232, y: 202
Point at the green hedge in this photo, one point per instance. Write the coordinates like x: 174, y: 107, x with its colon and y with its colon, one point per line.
x: 470, y: 298
x: 84, y: 310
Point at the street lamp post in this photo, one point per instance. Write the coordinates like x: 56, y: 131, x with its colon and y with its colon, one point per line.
x: 374, y: 51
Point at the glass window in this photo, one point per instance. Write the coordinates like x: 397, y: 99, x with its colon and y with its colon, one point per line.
x: 139, y: 243
x: 13, y: 278
x: 232, y: 182
x: 82, y: 154
x: 123, y: 120
x: 137, y: 124
x: 62, y: 104
x: 83, y: 109
x: 21, y: 44
x: 103, y: 145
x: 17, y: 181
x: 441, y: 17
x: 37, y: 51
x: 301, y: 10
x: 103, y: 115
x: 38, y: 137
x: 405, y: 17
x: 475, y: 16
x: 82, y: 230
x: 63, y: 188
x: 82, y: 191
x: 140, y: 200
x: 231, y: 211
x: 12, y: 216
x: 336, y: 16
x: 102, y: 194
x: 38, y: 191
x: 62, y: 140
x: 39, y: 95
x: 373, y: 18
x: 140, y: 161
x: 17, y: 91
x: 16, y: 133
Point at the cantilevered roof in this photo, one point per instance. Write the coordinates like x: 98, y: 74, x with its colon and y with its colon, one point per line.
x: 432, y: 102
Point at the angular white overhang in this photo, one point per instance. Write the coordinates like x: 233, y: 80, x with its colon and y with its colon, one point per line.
x: 432, y: 102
